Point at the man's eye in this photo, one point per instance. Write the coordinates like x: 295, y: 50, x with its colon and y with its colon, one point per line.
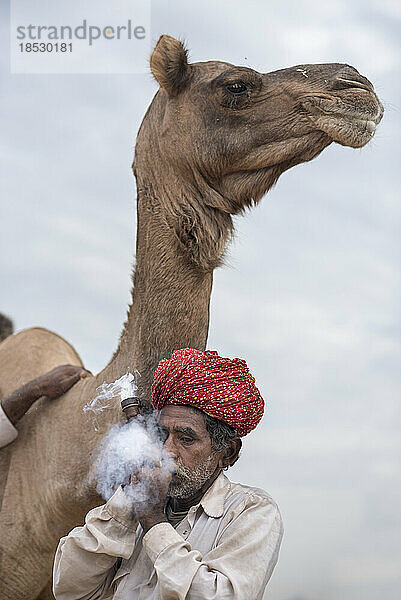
x: 239, y: 87
x: 186, y: 440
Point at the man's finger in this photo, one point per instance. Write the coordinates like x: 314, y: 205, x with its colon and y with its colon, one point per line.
x: 71, y: 379
x: 63, y: 385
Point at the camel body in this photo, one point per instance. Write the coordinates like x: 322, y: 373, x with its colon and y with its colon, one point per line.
x: 23, y: 357
x: 48, y: 433
x: 214, y: 140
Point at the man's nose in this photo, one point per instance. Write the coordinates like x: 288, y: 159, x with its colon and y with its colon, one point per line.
x: 170, y: 447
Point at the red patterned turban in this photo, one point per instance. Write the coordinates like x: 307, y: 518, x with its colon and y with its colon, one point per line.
x: 221, y: 387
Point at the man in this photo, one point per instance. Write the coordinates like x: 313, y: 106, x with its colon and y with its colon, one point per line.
x: 199, y: 536
x: 52, y: 385
x: 6, y: 327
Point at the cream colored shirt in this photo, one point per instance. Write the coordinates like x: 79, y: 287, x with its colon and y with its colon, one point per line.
x: 225, y: 549
x: 8, y: 433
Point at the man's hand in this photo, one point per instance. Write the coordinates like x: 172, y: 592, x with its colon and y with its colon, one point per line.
x: 149, y: 489
x: 59, y: 380
x: 52, y: 385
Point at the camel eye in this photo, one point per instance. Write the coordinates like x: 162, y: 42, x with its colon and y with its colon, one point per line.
x: 239, y: 87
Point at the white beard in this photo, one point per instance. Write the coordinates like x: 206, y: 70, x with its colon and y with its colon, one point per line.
x: 186, y: 483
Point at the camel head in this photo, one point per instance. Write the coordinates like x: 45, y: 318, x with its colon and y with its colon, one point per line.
x: 229, y: 132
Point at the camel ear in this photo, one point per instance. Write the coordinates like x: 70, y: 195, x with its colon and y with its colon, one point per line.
x: 169, y: 65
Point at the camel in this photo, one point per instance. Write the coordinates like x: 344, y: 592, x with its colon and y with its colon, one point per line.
x: 214, y: 140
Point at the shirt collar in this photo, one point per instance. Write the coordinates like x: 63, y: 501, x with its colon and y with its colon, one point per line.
x: 213, y: 500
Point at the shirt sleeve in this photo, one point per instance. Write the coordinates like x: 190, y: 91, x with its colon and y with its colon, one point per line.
x: 237, y: 568
x: 87, y: 558
x: 8, y: 432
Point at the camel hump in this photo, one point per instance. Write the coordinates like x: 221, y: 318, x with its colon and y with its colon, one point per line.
x: 30, y: 353
x: 6, y: 327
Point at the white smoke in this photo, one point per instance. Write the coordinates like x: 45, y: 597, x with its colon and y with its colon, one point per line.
x: 127, y: 447
x: 125, y: 387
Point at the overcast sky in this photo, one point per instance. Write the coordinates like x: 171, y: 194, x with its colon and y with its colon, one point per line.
x: 310, y: 295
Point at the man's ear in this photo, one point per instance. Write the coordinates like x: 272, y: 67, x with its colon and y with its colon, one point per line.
x: 169, y: 65
x: 231, y: 455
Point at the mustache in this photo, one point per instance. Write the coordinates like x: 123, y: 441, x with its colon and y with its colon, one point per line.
x: 182, y: 471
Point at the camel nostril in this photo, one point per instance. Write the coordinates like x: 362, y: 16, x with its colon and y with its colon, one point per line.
x: 352, y: 81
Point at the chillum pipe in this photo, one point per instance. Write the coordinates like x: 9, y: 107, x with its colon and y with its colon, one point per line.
x: 131, y: 407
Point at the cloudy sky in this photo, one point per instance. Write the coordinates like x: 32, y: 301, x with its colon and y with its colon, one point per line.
x: 310, y: 294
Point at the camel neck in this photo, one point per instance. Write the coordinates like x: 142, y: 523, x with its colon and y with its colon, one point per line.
x: 170, y: 296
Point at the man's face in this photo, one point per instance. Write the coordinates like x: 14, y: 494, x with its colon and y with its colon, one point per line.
x: 189, y: 443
